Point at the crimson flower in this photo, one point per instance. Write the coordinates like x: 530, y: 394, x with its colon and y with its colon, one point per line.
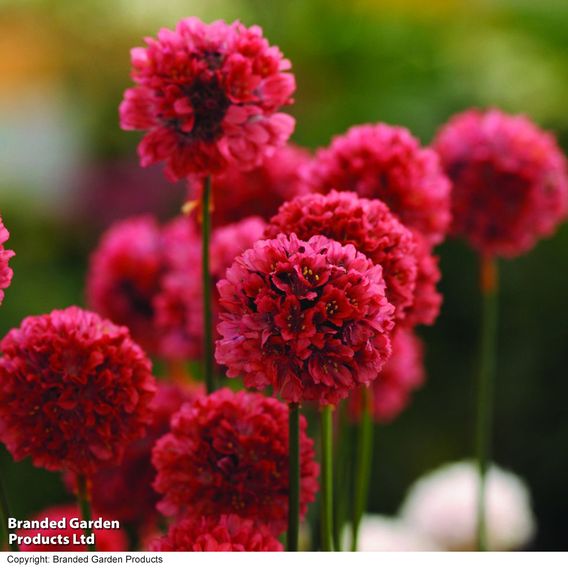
x: 387, y: 162
x: 5, y: 256
x: 310, y: 318
x: 403, y: 373
x: 224, y: 533
x: 366, y: 224
x: 208, y: 96
x: 228, y: 453
x: 74, y: 391
x: 124, y: 491
x: 510, y: 180
x: 257, y: 192
x: 106, y: 540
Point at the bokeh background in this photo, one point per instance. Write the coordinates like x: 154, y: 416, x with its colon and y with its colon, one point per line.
x: 67, y: 171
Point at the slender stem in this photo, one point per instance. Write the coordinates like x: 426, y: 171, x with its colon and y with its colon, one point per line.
x: 206, y: 279
x: 485, y: 386
x: 326, y: 414
x: 5, y: 515
x: 85, y: 507
x: 342, y: 475
x: 363, y: 465
x: 294, y: 477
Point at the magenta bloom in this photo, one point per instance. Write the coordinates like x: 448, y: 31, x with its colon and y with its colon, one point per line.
x: 208, y: 96
x: 510, y: 180
x: 106, y: 540
x: 224, y: 533
x: 402, y: 374
x: 228, y: 453
x: 309, y: 318
x: 5, y: 255
x: 387, y: 162
x: 124, y: 492
x: 366, y: 224
x: 74, y: 391
x: 260, y: 191
x: 124, y: 277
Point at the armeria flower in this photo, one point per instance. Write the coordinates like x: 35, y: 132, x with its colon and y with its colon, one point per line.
x: 403, y: 373
x: 124, y: 277
x: 5, y: 256
x: 387, y: 162
x: 49, y: 540
x: 228, y: 453
x: 124, y: 492
x: 224, y: 533
x: 208, y: 96
x: 510, y: 180
x: 442, y: 505
x: 257, y: 192
x: 366, y: 224
x: 310, y: 318
x: 74, y: 391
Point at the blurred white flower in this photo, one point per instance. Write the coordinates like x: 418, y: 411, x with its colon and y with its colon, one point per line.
x: 443, y: 506
x: 387, y: 534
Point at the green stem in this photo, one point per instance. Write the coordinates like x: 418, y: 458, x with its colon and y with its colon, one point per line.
x: 5, y: 515
x: 342, y: 475
x: 85, y: 507
x: 364, y: 462
x: 294, y: 477
x: 485, y: 386
x: 206, y: 279
x: 326, y: 414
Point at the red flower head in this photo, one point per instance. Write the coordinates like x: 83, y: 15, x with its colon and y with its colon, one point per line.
x: 5, y: 256
x: 124, y: 277
x: 74, y: 391
x: 106, y: 540
x: 403, y: 373
x: 228, y: 453
x: 259, y: 191
x: 387, y: 162
x: 366, y: 224
x: 309, y: 318
x: 224, y: 533
x: 208, y: 95
x: 124, y: 492
x: 510, y: 180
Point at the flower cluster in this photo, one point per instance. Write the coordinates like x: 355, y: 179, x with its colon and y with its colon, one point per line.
x: 310, y: 318
x: 5, y: 256
x: 366, y: 224
x: 387, y: 162
x: 224, y: 533
x: 149, y: 278
x: 108, y: 540
x: 124, y: 492
x: 403, y: 373
x: 228, y: 453
x: 510, y: 180
x: 209, y: 96
x: 74, y: 391
x: 259, y: 191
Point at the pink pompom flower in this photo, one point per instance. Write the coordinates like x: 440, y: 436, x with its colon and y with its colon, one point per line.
x: 510, y: 180
x: 388, y: 163
x: 53, y: 539
x: 208, y: 96
x: 75, y: 390
x: 366, y: 224
x: 403, y: 373
x: 5, y: 255
x: 228, y: 453
x: 310, y: 318
x: 224, y: 533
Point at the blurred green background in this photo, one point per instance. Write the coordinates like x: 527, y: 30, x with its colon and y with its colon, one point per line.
x: 67, y: 171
